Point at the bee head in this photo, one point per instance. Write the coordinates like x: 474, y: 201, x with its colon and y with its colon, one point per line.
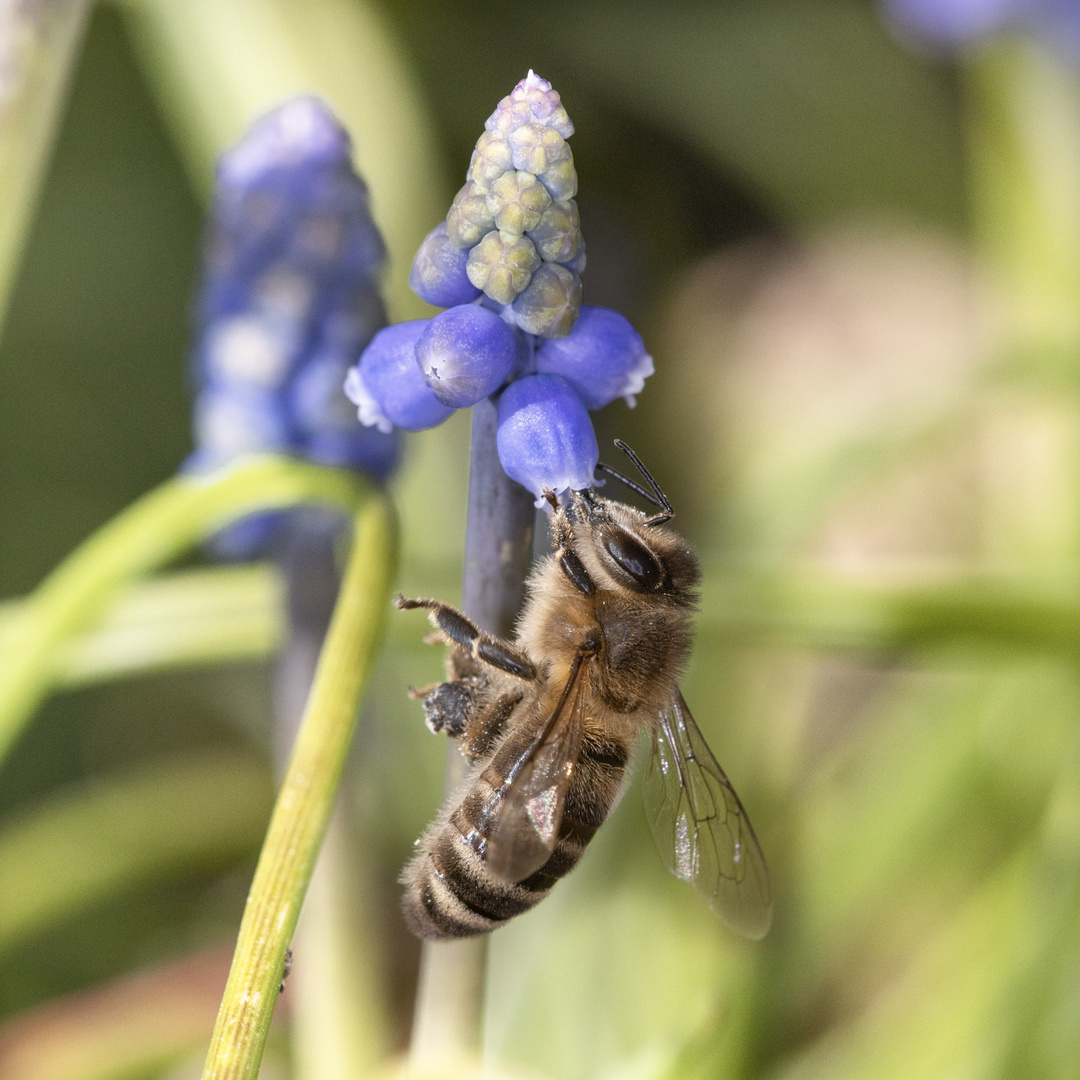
x: 621, y: 545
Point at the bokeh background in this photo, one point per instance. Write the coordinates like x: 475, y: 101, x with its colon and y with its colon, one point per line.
x: 854, y: 253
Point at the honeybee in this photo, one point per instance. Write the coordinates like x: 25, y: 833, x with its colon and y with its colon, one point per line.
x: 549, y: 722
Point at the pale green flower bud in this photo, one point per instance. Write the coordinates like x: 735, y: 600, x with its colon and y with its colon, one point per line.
x: 502, y: 264
x: 469, y: 218
x: 516, y: 201
x: 549, y: 306
x: 557, y: 235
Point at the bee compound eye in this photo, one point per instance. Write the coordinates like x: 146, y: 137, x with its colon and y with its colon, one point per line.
x: 634, y: 558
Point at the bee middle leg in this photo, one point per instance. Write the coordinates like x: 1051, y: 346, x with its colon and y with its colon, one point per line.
x: 485, y: 647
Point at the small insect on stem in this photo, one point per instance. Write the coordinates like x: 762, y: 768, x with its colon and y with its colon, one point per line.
x: 285, y: 970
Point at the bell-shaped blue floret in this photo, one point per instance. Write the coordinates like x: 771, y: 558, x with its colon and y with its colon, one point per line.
x: 603, y: 358
x: 438, y: 272
x: 388, y: 387
x: 545, y: 437
x: 465, y: 354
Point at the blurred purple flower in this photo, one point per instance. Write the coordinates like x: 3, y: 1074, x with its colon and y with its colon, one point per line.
x: 958, y: 22
x: 288, y: 300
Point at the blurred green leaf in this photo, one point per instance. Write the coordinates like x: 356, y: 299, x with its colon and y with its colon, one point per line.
x: 189, y: 618
x: 83, y: 845
x: 818, y: 609
x: 160, y: 527
x: 133, y: 1027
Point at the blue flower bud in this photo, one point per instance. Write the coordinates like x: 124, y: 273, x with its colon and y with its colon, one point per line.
x: 515, y: 216
x: 516, y: 200
x: 438, y: 271
x: 465, y: 354
x: 536, y: 147
x: 491, y: 158
x: 532, y: 99
x: 469, y: 220
x: 545, y: 437
x: 602, y: 358
x: 388, y: 387
x: 557, y: 233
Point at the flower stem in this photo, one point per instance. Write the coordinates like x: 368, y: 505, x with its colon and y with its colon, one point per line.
x: 336, y: 1023
x: 305, y: 801
x: 498, y: 544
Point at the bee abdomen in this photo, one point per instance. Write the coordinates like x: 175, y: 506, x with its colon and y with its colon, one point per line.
x: 450, y: 891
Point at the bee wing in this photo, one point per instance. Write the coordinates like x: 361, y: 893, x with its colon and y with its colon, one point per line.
x: 527, y: 807
x: 701, y: 828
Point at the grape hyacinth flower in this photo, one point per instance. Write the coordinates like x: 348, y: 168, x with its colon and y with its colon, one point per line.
x: 955, y: 23
x: 506, y: 264
x: 288, y: 300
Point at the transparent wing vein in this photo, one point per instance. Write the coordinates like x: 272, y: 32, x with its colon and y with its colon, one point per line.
x: 701, y: 828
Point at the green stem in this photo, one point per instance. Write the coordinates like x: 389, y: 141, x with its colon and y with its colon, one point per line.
x: 156, y: 529
x: 1023, y: 105
x: 306, y: 799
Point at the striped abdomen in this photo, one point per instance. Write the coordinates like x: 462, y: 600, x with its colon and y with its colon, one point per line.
x: 450, y: 891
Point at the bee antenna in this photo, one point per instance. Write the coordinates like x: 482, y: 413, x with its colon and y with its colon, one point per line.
x: 656, y: 496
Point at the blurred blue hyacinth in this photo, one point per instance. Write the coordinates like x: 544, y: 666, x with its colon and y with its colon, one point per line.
x: 506, y: 264
x: 289, y: 298
x: 958, y: 22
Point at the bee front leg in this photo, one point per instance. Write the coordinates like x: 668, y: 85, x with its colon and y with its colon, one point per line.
x: 562, y: 537
x: 461, y: 630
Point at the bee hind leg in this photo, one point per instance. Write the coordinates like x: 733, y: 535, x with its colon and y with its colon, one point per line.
x: 448, y: 705
x: 461, y: 630
x: 471, y: 710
